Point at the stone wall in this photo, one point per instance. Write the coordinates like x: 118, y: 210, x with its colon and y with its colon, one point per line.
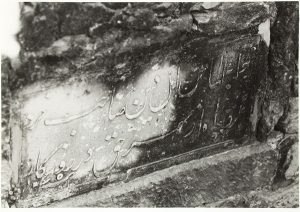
x: 108, y: 93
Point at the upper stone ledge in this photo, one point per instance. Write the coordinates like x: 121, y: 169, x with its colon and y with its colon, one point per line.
x: 44, y: 23
x: 61, y: 39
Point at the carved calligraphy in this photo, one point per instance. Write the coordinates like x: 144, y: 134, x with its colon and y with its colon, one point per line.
x: 168, y: 110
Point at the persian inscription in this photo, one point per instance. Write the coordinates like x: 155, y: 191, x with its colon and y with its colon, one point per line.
x: 113, y: 120
x: 85, y: 130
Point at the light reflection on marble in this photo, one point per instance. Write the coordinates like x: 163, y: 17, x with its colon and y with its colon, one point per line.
x: 98, y: 127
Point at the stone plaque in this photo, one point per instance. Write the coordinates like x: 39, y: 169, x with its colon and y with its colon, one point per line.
x: 80, y: 134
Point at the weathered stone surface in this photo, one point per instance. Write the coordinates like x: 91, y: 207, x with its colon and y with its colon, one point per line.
x: 272, y: 111
x: 290, y: 123
x: 47, y: 22
x: 198, y: 182
x: 130, y: 30
x: 116, y: 91
x: 284, y: 48
x: 284, y: 191
x: 221, y: 18
x: 5, y: 107
x: 85, y: 18
x: 93, y: 128
x: 236, y: 201
x: 6, y: 174
x: 44, y: 23
x: 293, y: 162
x: 6, y: 171
x: 285, y: 197
x: 283, y: 72
x: 283, y: 146
x: 4, y: 204
x: 274, y: 138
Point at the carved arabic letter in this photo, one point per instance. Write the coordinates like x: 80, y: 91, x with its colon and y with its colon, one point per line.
x: 32, y: 123
x: 90, y: 153
x: 189, y: 94
x: 164, y: 104
x: 67, y: 168
x: 61, y: 167
x: 37, y: 161
x: 181, y: 124
x: 135, y: 115
x: 117, y: 150
x: 147, y: 142
x: 177, y: 81
x: 77, y: 167
x: 218, y: 81
x: 40, y: 172
x: 231, y: 122
x: 45, y: 180
x: 216, y: 111
x: 245, y: 66
x: 77, y: 116
x: 61, y: 146
x: 238, y: 66
x: 60, y: 179
x: 190, y: 132
x: 30, y: 171
x: 108, y: 170
x: 200, y: 122
x: 113, y: 116
x: 94, y: 172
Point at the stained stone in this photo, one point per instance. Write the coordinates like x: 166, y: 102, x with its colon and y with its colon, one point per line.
x: 290, y: 123
x: 6, y: 169
x: 293, y: 162
x: 282, y: 77
x: 271, y: 113
x: 192, y: 128
x: 221, y: 18
x: 6, y: 173
x: 6, y: 68
x: 180, y: 77
x: 191, y: 184
x: 284, y: 48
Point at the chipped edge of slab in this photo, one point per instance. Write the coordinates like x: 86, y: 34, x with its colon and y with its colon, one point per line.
x: 142, y: 187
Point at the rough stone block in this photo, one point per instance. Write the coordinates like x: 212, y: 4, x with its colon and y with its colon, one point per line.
x: 293, y: 158
x: 285, y: 197
x: 290, y: 123
x: 108, y: 93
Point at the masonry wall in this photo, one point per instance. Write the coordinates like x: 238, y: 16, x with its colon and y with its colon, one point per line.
x: 223, y: 101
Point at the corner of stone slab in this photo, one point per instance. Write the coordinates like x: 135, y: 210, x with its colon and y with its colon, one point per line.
x: 287, y: 167
x: 264, y: 31
x: 274, y: 139
x: 292, y: 171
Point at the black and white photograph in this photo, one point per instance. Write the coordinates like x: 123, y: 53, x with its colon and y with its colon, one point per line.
x: 118, y: 104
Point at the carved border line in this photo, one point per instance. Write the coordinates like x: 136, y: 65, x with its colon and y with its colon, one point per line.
x: 120, y: 177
